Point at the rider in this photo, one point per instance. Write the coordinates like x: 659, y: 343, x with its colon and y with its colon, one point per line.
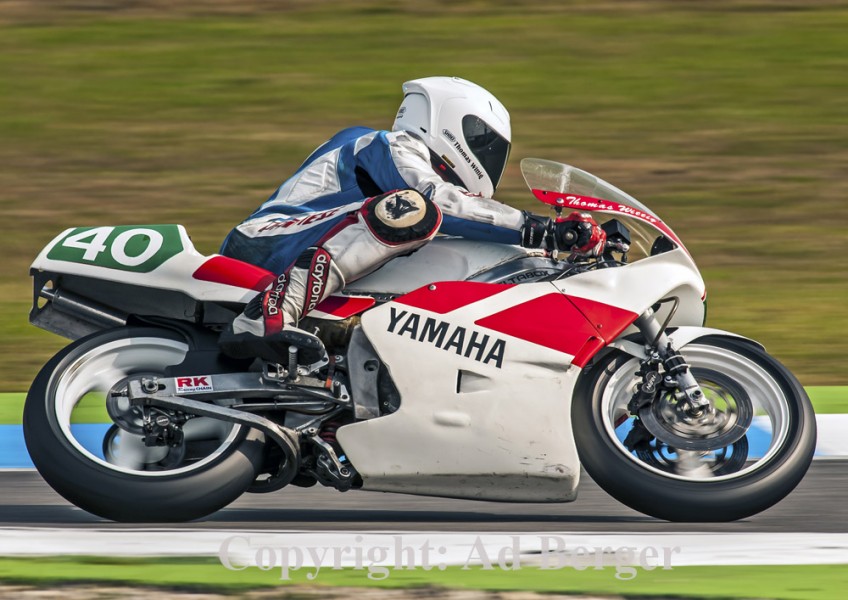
x: 366, y: 196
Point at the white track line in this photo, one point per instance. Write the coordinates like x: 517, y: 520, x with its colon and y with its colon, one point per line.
x: 245, y: 547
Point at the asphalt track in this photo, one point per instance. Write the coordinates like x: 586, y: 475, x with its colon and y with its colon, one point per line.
x: 817, y: 505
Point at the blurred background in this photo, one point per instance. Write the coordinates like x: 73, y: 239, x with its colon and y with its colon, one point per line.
x: 728, y: 118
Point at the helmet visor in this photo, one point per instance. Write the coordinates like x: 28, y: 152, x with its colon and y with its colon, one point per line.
x: 490, y: 148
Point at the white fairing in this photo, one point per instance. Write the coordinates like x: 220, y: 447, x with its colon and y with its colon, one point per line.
x: 467, y: 428
x: 639, y: 285
x: 472, y: 429
x: 174, y: 274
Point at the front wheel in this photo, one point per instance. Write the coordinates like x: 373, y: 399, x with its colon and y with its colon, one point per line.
x: 747, y: 476
x: 87, y: 442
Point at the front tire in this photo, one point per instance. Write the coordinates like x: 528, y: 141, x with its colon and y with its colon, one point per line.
x: 150, y: 484
x: 724, y: 485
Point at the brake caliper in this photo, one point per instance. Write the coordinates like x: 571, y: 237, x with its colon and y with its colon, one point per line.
x: 163, y: 429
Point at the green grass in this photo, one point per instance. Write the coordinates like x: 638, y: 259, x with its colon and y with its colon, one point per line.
x: 826, y: 400
x: 91, y: 409
x: 783, y: 581
x: 11, y: 408
x: 727, y: 118
x: 829, y: 400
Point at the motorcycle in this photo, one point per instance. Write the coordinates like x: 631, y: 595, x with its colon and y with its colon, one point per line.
x: 464, y: 370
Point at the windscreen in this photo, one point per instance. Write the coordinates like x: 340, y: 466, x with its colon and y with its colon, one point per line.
x: 558, y: 177
x: 571, y: 188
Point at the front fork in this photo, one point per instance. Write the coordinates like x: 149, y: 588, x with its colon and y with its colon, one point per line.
x: 660, y: 350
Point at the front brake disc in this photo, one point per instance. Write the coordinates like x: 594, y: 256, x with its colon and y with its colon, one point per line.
x: 726, y: 424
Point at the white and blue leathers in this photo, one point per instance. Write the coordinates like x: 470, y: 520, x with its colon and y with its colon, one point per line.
x: 335, y: 180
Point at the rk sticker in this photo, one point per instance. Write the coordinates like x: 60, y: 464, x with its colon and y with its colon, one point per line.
x: 187, y: 385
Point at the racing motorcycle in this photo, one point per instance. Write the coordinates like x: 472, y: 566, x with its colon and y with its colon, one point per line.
x: 464, y: 370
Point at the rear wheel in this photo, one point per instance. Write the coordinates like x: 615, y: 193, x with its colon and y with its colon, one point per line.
x: 87, y: 442
x: 694, y: 479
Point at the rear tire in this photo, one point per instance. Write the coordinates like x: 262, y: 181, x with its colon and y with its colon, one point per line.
x: 109, y: 490
x: 721, y: 495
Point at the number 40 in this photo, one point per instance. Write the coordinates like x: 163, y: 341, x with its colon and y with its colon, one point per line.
x: 93, y: 241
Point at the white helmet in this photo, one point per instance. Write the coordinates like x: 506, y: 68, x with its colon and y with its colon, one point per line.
x: 466, y: 128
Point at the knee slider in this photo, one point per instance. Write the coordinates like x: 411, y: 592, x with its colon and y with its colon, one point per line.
x: 401, y: 217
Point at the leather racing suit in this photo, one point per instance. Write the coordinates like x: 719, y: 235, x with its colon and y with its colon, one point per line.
x: 334, y: 221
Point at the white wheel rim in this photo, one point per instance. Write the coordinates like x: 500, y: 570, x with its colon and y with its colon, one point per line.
x: 770, y: 404
x: 100, y: 368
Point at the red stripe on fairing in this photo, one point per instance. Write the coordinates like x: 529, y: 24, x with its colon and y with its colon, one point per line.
x: 609, y: 320
x: 229, y: 271
x: 592, y: 346
x: 589, y: 204
x: 343, y: 307
x: 576, y: 326
x: 550, y: 321
x: 448, y: 296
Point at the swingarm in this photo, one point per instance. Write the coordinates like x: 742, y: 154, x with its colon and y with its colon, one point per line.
x: 166, y: 403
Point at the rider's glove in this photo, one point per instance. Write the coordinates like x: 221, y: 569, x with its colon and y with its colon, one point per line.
x: 580, y: 234
x: 536, y: 231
